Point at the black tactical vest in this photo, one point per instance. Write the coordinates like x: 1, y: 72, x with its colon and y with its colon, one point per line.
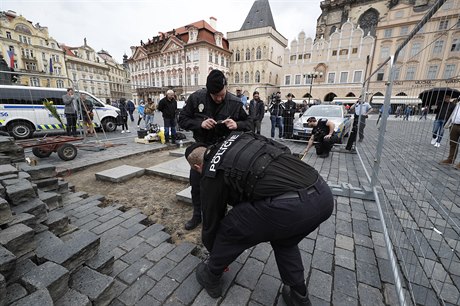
x: 243, y: 157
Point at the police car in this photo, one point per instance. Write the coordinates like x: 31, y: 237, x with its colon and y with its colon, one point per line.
x: 22, y: 111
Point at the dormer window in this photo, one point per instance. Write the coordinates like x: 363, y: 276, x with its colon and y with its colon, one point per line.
x: 192, y: 34
x: 218, y: 39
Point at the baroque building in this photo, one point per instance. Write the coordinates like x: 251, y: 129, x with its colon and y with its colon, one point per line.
x: 179, y: 59
x: 30, y: 50
x: 339, y: 63
x: 119, y: 77
x: 257, y: 53
x: 430, y: 59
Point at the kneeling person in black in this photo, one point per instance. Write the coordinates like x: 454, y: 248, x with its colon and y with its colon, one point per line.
x: 276, y: 198
x: 323, y: 134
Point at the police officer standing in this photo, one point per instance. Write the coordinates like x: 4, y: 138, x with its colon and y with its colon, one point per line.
x: 276, y: 198
x: 211, y: 114
x: 289, y: 113
x: 323, y: 134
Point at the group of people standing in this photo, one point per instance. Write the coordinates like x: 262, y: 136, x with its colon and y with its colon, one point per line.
x: 282, y: 116
x: 78, y: 108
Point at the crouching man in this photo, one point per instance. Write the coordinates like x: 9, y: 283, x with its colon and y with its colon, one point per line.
x: 276, y: 198
x: 323, y: 134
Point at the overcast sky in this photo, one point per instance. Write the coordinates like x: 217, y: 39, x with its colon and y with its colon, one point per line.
x: 115, y: 25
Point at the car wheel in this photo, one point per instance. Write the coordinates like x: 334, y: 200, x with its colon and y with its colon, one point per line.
x: 109, y: 124
x: 20, y: 129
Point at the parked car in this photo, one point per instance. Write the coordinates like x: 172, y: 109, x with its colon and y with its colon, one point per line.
x: 335, y: 113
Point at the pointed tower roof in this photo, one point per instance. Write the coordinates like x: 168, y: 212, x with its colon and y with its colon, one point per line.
x: 259, y: 16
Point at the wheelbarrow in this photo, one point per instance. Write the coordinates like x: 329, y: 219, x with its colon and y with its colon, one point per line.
x: 43, y: 147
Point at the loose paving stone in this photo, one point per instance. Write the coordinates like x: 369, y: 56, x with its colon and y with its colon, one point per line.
x: 18, y: 239
x: 177, y: 169
x: 266, y: 290
x: 39, y: 298
x: 158, y: 238
x: 118, y: 266
x: 237, y: 295
x: 185, y: 195
x: 137, y: 290
x: 7, y: 262
x: 161, y: 268
x: 14, y: 292
x: 26, y: 219
x: 80, y: 247
x: 163, y: 288
x: 39, y: 172
x: 102, y: 262
x: 48, y: 276
x: 132, y: 243
x: 151, y: 230
x: 92, y: 284
x: 180, y: 251
x: 8, y: 169
x: 57, y: 222
x: 5, y: 212
x: 52, y: 199
x: 184, y: 268
x: 20, y: 192
x: 22, y: 268
x: 34, y: 207
x: 250, y: 273
x: 134, y: 271
x: 120, y: 174
x: 133, y: 220
x: 73, y: 298
x: 159, y: 252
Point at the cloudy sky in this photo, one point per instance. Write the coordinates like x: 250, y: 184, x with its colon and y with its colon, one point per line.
x: 115, y: 25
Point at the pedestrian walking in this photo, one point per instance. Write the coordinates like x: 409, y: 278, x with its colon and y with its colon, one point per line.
x: 453, y: 123
x: 276, y: 109
x: 424, y: 113
x: 407, y: 112
x: 444, y: 109
x: 123, y: 115
x: 256, y: 111
x: 168, y: 107
x: 131, y: 108
x: 140, y: 111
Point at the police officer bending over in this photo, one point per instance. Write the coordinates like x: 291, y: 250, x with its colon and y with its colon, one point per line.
x: 276, y: 198
x: 323, y: 134
x: 211, y: 113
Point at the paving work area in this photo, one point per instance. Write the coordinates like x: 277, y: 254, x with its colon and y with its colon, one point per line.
x: 345, y: 260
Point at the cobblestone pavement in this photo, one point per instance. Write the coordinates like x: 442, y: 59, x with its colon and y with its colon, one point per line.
x: 345, y: 260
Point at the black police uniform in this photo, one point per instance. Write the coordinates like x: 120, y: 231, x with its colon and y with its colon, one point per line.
x: 289, y: 113
x: 323, y: 145
x: 199, y: 107
x: 275, y: 197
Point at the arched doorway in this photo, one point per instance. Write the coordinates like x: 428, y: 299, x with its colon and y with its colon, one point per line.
x: 401, y: 94
x: 307, y: 95
x: 350, y: 94
x: 329, y: 97
x: 378, y: 94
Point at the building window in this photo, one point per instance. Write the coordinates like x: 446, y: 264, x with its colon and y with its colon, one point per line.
x: 344, y: 77
x: 246, y: 77
x: 8, y: 35
x: 258, y: 53
x: 354, y: 50
x: 449, y: 71
x: 404, y: 30
x: 237, y: 56
x: 210, y: 57
x: 297, y: 79
x: 396, y: 74
x: 222, y: 61
x: 415, y: 50
x: 293, y: 57
x: 257, y: 77
x: 438, y: 46
x: 59, y: 83
x: 399, y: 14
x: 410, y: 73
x: 216, y: 59
x: 458, y: 23
x: 432, y: 72
x: 380, y: 75
x: 35, y: 82
x: 334, y: 52
x: 196, y: 55
x: 387, y: 33
x: 181, y: 79
x: 237, y: 77
x: 384, y: 52
x: 248, y: 55
x: 357, y: 76
x: 306, y: 55
x: 299, y: 56
x: 455, y: 45
x: 344, y: 52
x: 443, y: 24
x: 331, y: 77
x: 195, y: 78
x: 287, y: 80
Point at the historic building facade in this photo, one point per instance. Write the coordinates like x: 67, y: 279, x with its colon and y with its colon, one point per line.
x: 119, y: 77
x: 32, y: 52
x: 430, y: 59
x: 179, y: 60
x: 257, y: 53
x: 338, y: 64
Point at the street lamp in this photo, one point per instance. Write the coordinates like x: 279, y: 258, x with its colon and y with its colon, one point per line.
x: 312, y: 75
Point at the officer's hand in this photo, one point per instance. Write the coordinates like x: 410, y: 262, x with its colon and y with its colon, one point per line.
x: 208, y: 124
x: 327, y: 136
x: 230, y: 124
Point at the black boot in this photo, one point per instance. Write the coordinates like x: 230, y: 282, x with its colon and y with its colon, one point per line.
x: 293, y: 298
x: 192, y: 223
x: 209, y: 280
x: 173, y: 139
x: 166, y: 138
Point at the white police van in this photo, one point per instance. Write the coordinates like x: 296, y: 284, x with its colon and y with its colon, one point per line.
x: 22, y: 111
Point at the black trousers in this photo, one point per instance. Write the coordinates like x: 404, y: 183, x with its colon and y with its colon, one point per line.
x: 325, y: 145
x: 71, y: 126
x: 194, y: 180
x: 288, y: 127
x: 282, y: 222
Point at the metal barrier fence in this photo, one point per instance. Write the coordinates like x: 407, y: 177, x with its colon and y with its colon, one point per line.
x: 417, y: 196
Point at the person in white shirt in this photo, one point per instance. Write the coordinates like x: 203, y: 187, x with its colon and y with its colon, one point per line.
x: 363, y: 109
x: 454, y: 136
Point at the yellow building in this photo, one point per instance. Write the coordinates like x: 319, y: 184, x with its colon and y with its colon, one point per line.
x: 37, y: 56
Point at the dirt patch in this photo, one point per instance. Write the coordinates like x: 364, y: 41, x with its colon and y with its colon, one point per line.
x: 154, y: 195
